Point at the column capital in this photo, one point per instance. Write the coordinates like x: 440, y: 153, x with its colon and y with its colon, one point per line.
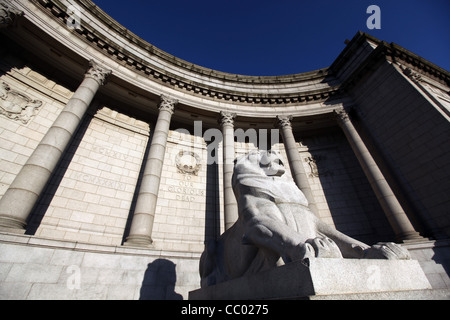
x: 341, y: 115
x: 8, y: 13
x: 227, y: 118
x: 284, y: 122
x: 97, y: 72
x: 167, y: 103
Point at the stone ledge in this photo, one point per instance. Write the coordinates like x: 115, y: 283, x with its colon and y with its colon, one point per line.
x: 322, y: 278
x: 28, y: 240
x: 433, y: 294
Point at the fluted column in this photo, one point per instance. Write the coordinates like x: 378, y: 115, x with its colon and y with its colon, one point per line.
x: 394, y: 212
x: 8, y: 13
x: 295, y: 162
x: 144, y: 213
x: 229, y: 199
x: 21, y: 196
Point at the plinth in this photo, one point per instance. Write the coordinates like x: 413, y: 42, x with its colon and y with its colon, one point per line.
x: 324, y: 278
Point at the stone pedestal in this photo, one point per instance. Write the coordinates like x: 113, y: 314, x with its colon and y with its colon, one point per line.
x: 324, y: 278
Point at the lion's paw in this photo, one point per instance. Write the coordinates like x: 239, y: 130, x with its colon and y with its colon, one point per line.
x: 302, y: 251
x: 387, y: 250
x: 324, y: 247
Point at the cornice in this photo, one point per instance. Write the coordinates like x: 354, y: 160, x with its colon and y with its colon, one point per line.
x: 257, y: 93
x: 385, y: 52
x: 399, y: 54
x: 174, y: 73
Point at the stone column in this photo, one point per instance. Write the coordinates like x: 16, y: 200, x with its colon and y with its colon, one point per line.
x: 295, y: 162
x: 397, y: 218
x: 8, y: 13
x: 229, y: 199
x: 21, y: 196
x: 144, y: 213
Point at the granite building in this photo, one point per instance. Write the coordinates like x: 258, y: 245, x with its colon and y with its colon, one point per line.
x: 116, y: 157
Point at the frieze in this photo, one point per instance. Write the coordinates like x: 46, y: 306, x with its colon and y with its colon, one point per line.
x: 16, y: 105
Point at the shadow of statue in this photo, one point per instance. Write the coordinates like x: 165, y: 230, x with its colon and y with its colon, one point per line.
x: 159, y: 281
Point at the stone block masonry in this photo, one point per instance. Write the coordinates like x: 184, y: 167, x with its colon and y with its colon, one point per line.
x: 39, y: 269
x: 182, y: 218
x: 92, y: 193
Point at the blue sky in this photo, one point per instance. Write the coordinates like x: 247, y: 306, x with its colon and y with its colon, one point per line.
x: 281, y: 36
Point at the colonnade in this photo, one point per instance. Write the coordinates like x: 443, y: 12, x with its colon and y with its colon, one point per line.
x: 23, y: 193
x: 20, y: 198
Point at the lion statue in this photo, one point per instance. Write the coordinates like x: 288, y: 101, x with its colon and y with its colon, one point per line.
x: 275, y: 226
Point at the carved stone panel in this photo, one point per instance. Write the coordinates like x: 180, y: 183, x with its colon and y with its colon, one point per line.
x: 313, y: 162
x: 16, y: 105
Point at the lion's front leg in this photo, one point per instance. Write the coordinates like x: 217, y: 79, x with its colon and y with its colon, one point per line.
x: 387, y: 250
x: 265, y: 228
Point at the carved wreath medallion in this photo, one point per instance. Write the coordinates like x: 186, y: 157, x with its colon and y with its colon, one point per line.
x: 188, y: 162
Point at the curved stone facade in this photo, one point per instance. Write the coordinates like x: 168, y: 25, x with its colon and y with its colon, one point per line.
x: 112, y: 149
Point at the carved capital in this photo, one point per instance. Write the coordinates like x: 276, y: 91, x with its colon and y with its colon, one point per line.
x: 97, y: 72
x: 8, y: 13
x: 167, y: 103
x: 341, y: 115
x: 284, y: 122
x: 227, y: 118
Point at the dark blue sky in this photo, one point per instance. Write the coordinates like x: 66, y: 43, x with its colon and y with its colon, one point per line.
x: 280, y: 36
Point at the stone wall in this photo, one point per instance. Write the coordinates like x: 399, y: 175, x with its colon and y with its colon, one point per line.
x: 20, y: 133
x: 410, y: 133
x: 89, y: 198
x: 341, y: 190
x: 35, y: 268
x: 188, y: 207
x: 434, y: 258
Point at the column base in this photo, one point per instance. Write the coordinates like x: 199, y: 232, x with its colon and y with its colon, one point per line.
x: 138, y: 241
x: 12, y: 225
x: 409, y: 237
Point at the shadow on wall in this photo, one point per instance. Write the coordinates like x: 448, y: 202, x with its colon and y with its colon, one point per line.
x: 159, y: 281
x: 441, y: 256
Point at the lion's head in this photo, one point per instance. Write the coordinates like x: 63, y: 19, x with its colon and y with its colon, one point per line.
x: 264, y: 172
x: 268, y: 163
